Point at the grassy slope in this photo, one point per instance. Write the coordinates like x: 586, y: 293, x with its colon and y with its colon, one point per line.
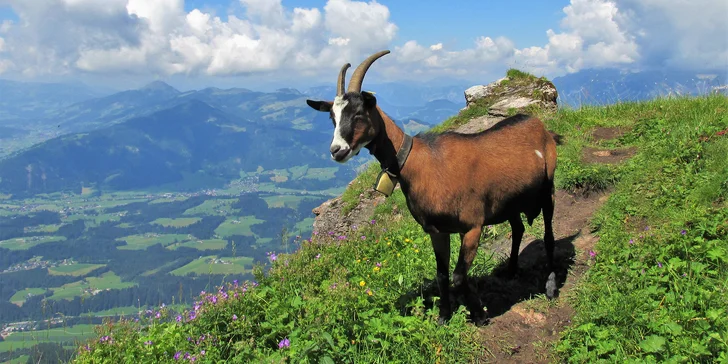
x: 355, y: 298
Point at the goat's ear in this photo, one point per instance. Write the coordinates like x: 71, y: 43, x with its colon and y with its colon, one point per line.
x: 323, y: 106
x: 369, y: 100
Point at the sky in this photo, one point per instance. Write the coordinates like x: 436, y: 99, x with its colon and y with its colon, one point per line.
x: 298, y: 43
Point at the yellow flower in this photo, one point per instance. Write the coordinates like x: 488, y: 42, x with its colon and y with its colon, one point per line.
x: 376, y: 269
x: 362, y: 283
x: 417, y: 250
x: 369, y: 292
x: 358, y: 260
x: 398, y: 254
x: 407, y: 240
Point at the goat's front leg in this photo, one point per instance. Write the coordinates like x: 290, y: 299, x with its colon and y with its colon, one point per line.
x: 468, y: 250
x: 441, y: 245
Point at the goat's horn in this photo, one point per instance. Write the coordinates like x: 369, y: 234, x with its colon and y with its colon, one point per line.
x: 342, y: 79
x: 358, y: 76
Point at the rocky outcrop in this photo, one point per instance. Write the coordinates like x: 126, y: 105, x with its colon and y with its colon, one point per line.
x: 516, y: 93
x: 513, y: 94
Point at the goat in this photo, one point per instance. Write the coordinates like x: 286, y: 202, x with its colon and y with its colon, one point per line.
x: 452, y: 182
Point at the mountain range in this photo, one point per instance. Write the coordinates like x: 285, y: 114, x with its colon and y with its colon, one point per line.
x: 60, y: 137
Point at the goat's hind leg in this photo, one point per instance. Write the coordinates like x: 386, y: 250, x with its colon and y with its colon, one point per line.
x: 549, y: 242
x: 441, y: 245
x: 468, y: 250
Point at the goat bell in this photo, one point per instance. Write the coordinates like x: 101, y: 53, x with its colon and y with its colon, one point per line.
x: 385, y: 184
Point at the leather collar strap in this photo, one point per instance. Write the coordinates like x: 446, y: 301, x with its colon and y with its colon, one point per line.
x: 402, y: 154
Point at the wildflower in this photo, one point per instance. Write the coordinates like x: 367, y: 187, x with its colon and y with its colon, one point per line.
x: 373, y: 222
x: 369, y: 292
x: 235, y: 317
x: 362, y: 283
x: 354, y: 227
x: 235, y: 282
x: 379, y: 264
x: 417, y: 250
x: 683, y: 232
x: 315, y: 233
x: 202, y: 352
x: 376, y: 269
x: 407, y: 240
x: 363, y: 237
x: 342, y: 237
x: 158, y: 315
x: 148, y: 342
x: 659, y: 265
x: 284, y: 343
x: 177, y: 355
x: 592, y: 253
x: 179, y: 318
x: 318, y: 255
x: 272, y: 256
x: 331, y: 233
x: 193, y: 315
x: 647, y: 228
x: 631, y: 241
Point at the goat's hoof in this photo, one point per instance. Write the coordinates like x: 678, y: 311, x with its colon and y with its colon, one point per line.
x: 479, y: 319
x: 551, y: 286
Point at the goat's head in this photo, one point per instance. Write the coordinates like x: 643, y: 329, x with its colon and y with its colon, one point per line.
x: 353, y: 113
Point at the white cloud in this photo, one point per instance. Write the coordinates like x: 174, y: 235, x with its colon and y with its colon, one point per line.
x: 158, y: 37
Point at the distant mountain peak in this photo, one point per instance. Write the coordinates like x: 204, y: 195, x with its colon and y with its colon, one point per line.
x: 159, y: 86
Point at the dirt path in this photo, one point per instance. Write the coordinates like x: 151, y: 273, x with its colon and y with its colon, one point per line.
x: 523, y: 327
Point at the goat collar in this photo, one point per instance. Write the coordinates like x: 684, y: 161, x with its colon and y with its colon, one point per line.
x: 402, y: 154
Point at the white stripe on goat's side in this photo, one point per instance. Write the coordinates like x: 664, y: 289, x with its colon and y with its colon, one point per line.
x: 538, y: 153
x: 338, y: 109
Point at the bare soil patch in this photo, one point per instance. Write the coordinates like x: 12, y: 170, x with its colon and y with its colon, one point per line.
x: 607, y: 156
x: 604, y: 133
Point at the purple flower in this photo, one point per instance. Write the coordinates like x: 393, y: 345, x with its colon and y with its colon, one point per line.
x: 177, y: 355
x: 647, y: 228
x: 235, y: 317
x: 631, y: 241
x: 193, y: 315
x: 202, y: 352
x: 659, y: 265
x: 355, y: 227
x: 284, y: 343
x: 331, y: 233
x: 318, y: 255
x: 592, y: 253
x: 683, y: 232
x: 179, y: 318
x: 363, y: 237
x: 315, y: 233
x: 148, y: 342
x: 342, y: 237
x: 235, y: 282
x: 373, y: 222
x: 158, y: 315
x: 272, y: 256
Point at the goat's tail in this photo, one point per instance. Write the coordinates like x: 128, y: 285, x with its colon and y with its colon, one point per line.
x: 558, y: 138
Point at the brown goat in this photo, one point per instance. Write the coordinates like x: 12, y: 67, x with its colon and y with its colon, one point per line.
x: 454, y: 183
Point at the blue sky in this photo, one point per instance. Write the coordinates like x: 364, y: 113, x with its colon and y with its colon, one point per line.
x: 461, y: 24
x: 125, y: 43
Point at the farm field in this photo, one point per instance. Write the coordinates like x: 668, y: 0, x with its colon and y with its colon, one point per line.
x: 216, y: 265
